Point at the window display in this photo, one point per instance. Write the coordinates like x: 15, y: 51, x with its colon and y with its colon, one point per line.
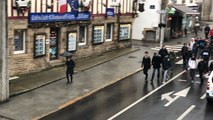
x: 98, y: 32
x: 124, y: 31
x: 71, y: 41
x: 39, y: 45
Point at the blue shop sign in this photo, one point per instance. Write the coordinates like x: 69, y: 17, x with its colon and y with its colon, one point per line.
x: 56, y: 17
x: 110, y: 12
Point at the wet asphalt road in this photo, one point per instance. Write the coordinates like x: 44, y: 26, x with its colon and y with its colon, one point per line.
x: 115, y: 98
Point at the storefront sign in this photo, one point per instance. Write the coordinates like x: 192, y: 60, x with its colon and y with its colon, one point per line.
x: 56, y: 17
x: 71, y: 41
x: 39, y: 45
x: 98, y: 33
x: 110, y: 12
x: 125, y: 31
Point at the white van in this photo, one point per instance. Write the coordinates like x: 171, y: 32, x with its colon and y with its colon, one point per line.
x: 209, y: 88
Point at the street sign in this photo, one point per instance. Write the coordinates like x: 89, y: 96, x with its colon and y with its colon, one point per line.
x: 182, y: 93
x: 161, y: 11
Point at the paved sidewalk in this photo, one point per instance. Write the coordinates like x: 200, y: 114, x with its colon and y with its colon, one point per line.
x: 92, y: 75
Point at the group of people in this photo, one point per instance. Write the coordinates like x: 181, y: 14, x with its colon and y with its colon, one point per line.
x: 162, y: 58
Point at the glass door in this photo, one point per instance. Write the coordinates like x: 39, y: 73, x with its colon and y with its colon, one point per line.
x: 53, y: 43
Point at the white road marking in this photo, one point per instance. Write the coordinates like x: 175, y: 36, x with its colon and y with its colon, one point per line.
x: 180, y: 62
x: 170, y: 102
x: 144, y: 97
x: 182, y: 80
x: 186, y: 112
x: 203, y: 97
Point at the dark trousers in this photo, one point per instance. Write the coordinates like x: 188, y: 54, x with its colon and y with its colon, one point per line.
x: 69, y: 77
x: 192, y: 73
x: 201, y: 77
x: 145, y: 71
x: 185, y: 65
x: 153, y: 73
x: 206, y: 34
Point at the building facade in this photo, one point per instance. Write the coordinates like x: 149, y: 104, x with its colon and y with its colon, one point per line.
x: 38, y: 33
x: 145, y: 25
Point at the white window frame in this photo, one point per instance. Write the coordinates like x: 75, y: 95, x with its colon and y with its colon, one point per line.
x: 24, y: 42
x: 108, y: 40
x: 85, y: 34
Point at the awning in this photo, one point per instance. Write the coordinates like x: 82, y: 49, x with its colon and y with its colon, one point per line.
x: 185, y: 9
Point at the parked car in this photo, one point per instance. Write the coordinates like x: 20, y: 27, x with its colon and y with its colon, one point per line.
x: 209, y: 88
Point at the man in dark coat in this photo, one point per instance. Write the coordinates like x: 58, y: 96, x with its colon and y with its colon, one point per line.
x: 184, y: 53
x: 156, y: 63
x: 206, y: 30
x: 163, y: 52
x: 70, y: 69
x: 202, y: 68
x: 146, y: 64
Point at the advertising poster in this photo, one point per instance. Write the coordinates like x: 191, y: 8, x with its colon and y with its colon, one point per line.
x: 125, y: 32
x: 39, y: 45
x: 98, y: 32
x: 71, y: 43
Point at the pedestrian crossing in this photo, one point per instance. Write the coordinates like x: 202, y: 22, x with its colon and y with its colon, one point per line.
x: 176, y: 48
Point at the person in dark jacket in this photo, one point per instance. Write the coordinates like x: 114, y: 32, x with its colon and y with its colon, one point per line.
x: 70, y: 69
x: 206, y: 30
x: 166, y: 64
x: 172, y: 57
x: 163, y: 52
x: 184, y: 52
x: 202, y: 68
x: 205, y: 54
x: 146, y: 64
x: 156, y: 63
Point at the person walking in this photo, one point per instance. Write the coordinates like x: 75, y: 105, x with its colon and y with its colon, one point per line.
x: 163, y: 52
x: 172, y: 57
x: 206, y: 31
x: 156, y: 63
x: 211, y: 34
x: 146, y: 64
x: 70, y: 69
x: 205, y: 54
x: 202, y: 68
x: 184, y: 52
x: 192, y: 64
x: 166, y: 64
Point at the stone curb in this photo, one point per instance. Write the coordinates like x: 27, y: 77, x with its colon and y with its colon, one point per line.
x: 27, y: 90
x: 87, y: 94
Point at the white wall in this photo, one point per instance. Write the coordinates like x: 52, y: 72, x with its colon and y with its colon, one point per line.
x: 147, y: 19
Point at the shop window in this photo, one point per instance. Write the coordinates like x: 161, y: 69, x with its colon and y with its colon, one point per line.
x: 19, y: 41
x: 98, y: 34
x: 82, y: 35
x: 124, y: 32
x: 109, y: 32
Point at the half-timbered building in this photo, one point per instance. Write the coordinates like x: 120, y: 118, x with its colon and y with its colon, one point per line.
x: 39, y: 33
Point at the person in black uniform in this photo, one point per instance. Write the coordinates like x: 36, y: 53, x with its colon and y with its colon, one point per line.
x: 146, y: 64
x: 70, y: 69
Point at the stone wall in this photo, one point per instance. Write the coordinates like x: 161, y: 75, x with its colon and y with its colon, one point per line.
x: 25, y: 63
